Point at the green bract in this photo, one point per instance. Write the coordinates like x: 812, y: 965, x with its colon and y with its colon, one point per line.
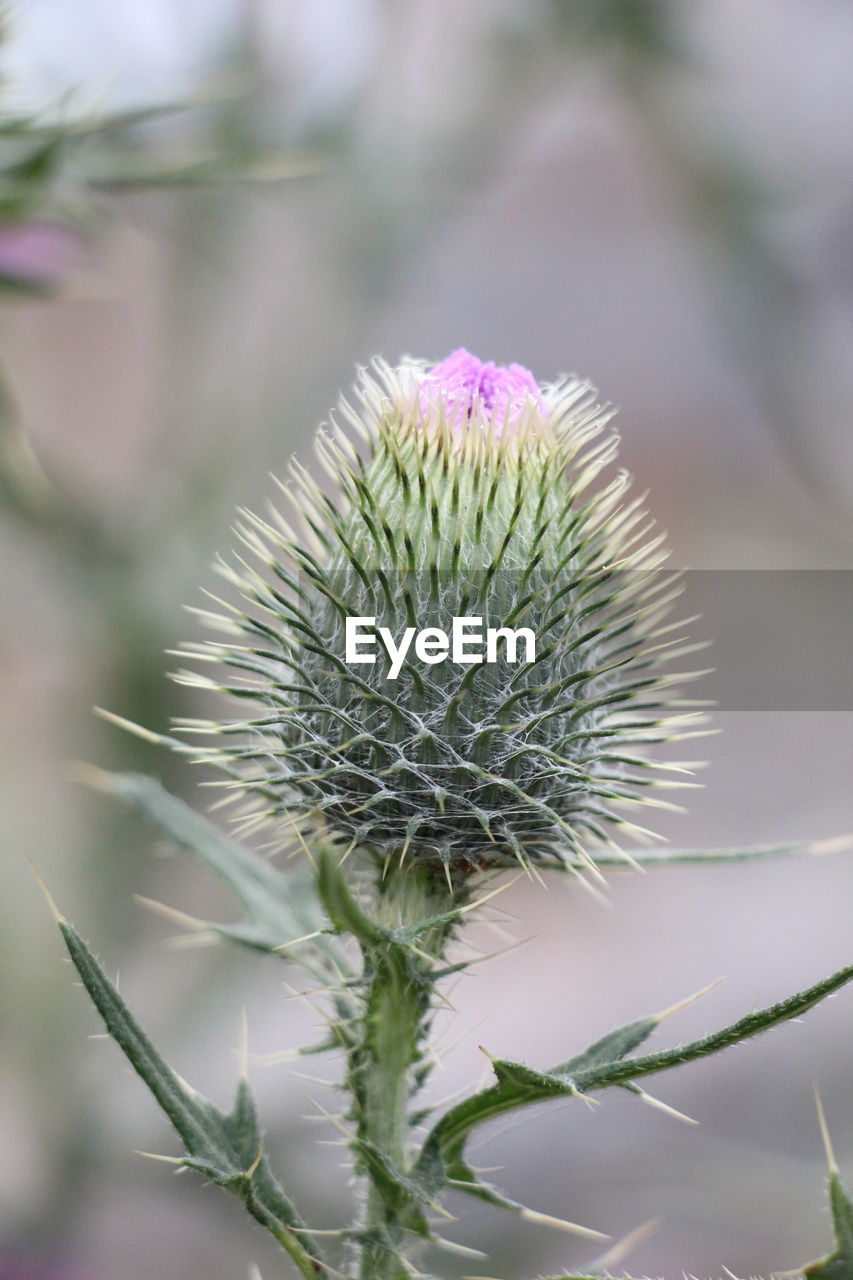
x: 445, y: 506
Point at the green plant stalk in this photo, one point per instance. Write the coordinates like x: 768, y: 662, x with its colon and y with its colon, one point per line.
x: 381, y: 1069
x: 387, y: 1063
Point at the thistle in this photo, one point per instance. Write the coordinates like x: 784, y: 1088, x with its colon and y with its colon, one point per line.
x: 454, y: 658
x: 470, y: 494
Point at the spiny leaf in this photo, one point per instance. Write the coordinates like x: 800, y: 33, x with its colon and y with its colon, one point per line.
x: 344, y: 912
x: 601, y: 1077
x: 839, y: 1264
x: 520, y: 1086
x: 280, y: 908
x: 226, y: 1147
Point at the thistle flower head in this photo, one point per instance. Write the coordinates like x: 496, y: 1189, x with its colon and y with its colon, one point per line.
x: 465, y: 502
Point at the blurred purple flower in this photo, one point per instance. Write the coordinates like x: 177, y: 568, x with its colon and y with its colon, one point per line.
x: 37, y: 254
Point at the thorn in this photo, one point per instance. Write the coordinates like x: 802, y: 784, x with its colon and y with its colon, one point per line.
x: 588, y: 1100
x: 89, y: 775
x: 269, y: 1059
x: 255, y: 1165
x: 431, y: 1050
x: 624, y: 1246
x: 149, y: 1155
x: 147, y: 735
x: 504, y: 951
x: 463, y: 1251
x: 628, y: 858
x: 824, y: 1133
x: 478, y: 902
x: 424, y: 955
x: 688, y: 1000
x: 315, y: 1231
x: 644, y: 834
x: 547, y: 1220
x: 58, y: 917
x: 243, y: 1046
x: 222, y: 803
x: 172, y: 914
x: 836, y: 844
x: 491, y: 919
x: 599, y: 898
x: 304, y: 1075
x: 193, y: 941
x: 353, y: 844
x: 335, y: 1121
x: 283, y: 946
x: 299, y: 836
x: 662, y: 1106
x: 254, y: 1272
x: 440, y: 1209
x: 533, y: 873
x: 452, y: 1097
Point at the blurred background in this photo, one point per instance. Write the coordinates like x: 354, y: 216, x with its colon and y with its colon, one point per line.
x: 657, y: 196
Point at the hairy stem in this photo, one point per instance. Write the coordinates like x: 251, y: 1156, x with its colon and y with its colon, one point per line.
x: 387, y: 1064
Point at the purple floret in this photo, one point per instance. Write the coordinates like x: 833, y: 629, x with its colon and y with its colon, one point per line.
x: 502, y: 391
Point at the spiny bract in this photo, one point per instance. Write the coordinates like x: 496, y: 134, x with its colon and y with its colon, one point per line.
x: 467, y: 491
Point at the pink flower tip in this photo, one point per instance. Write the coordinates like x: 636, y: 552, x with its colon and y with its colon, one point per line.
x: 464, y: 384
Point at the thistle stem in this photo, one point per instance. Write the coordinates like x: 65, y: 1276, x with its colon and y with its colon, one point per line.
x: 386, y: 1066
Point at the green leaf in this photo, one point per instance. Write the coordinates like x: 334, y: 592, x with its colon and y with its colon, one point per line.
x: 226, y: 1147
x: 612, y: 1073
x: 612, y: 1047
x: 519, y: 1086
x: 603, y: 1065
x: 459, y: 1176
x: 280, y: 909
x: 839, y: 1264
x: 344, y: 911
